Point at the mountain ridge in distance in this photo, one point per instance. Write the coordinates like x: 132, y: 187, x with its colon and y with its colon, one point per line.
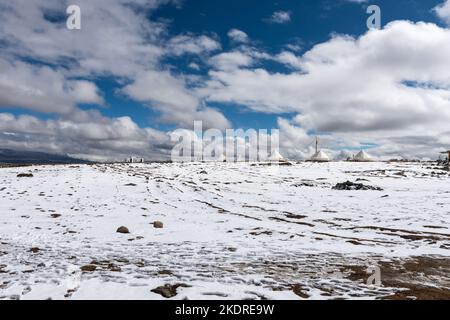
x: 9, y: 156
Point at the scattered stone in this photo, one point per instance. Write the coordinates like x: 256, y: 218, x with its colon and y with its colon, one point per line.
x: 269, y: 233
x: 203, y: 172
x: 88, y: 268
x: 299, y: 291
x: 309, y: 184
x: 69, y: 293
x: 113, y: 268
x: 354, y: 186
x: 158, y: 225
x: 400, y: 173
x: 35, y: 250
x: 165, y: 272
x: 295, y: 216
x: 169, y: 291
x: 123, y: 230
x: 131, y: 185
x: 25, y: 175
x: 55, y: 215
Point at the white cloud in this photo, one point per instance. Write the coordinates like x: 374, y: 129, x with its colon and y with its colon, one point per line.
x: 43, y: 89
x: 117, y: 40
x: 194, y: 66
x: 296, y: 47
x: 99, y: 138
x: 238, y: 36
x: 443, y: 11
x: 162, y: 89
x: 289, y: 59
x: 387, y: 83
x: 231, y: 60
x: 358, y: 1
x: 191, y: 44
x: 168, y: 95
x: 116, y: 37
x: 280, y: 17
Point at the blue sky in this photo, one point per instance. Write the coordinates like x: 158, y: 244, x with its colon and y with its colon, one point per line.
x: 137, y: 70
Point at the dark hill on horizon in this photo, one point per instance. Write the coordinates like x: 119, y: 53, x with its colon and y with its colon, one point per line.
x: 8, y: 156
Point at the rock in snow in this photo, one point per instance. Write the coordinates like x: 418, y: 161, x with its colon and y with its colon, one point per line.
x: 169, y: 291
x: 123, y: 230
x: 348, y: 185
x: 88, y: 268
x: 158, y: 225
x: 25, y: 175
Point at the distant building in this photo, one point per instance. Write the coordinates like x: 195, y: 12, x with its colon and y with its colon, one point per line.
x: 134, y: 160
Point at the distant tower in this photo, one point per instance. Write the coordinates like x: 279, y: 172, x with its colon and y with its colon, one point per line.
x: 317, y: 144
x: 319, y: 156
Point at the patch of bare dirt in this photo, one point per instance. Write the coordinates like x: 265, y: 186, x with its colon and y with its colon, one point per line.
x: 416, y: 278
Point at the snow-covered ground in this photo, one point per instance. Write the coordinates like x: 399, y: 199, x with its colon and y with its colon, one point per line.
x: 231, y: 231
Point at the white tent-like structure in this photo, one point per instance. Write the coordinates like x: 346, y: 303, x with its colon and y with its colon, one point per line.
x: 343, y: 156
x: 276, y: 156
x: 363, y: 156
x: 320, y: 156
x: 222, y: 158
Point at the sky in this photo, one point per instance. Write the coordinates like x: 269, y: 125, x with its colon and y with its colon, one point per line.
x: 140, y: 70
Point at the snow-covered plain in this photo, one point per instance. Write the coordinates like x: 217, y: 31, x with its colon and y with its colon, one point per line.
x: 231, y: 231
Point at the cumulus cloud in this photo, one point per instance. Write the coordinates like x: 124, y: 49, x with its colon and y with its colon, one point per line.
x: 194, y: 66
x: 358, y: 1
x: 191, y: 44
x: 231, y: 60
x: 100, y: 138
x: 169, y: 95
x: 390, y: 82
x: 238, y: 36
x: 279, y: 17
x: 41, y: 88
x: 289, y: 59
x: 116, y: 36
x: 443, y: 11
x: 118, y: 41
